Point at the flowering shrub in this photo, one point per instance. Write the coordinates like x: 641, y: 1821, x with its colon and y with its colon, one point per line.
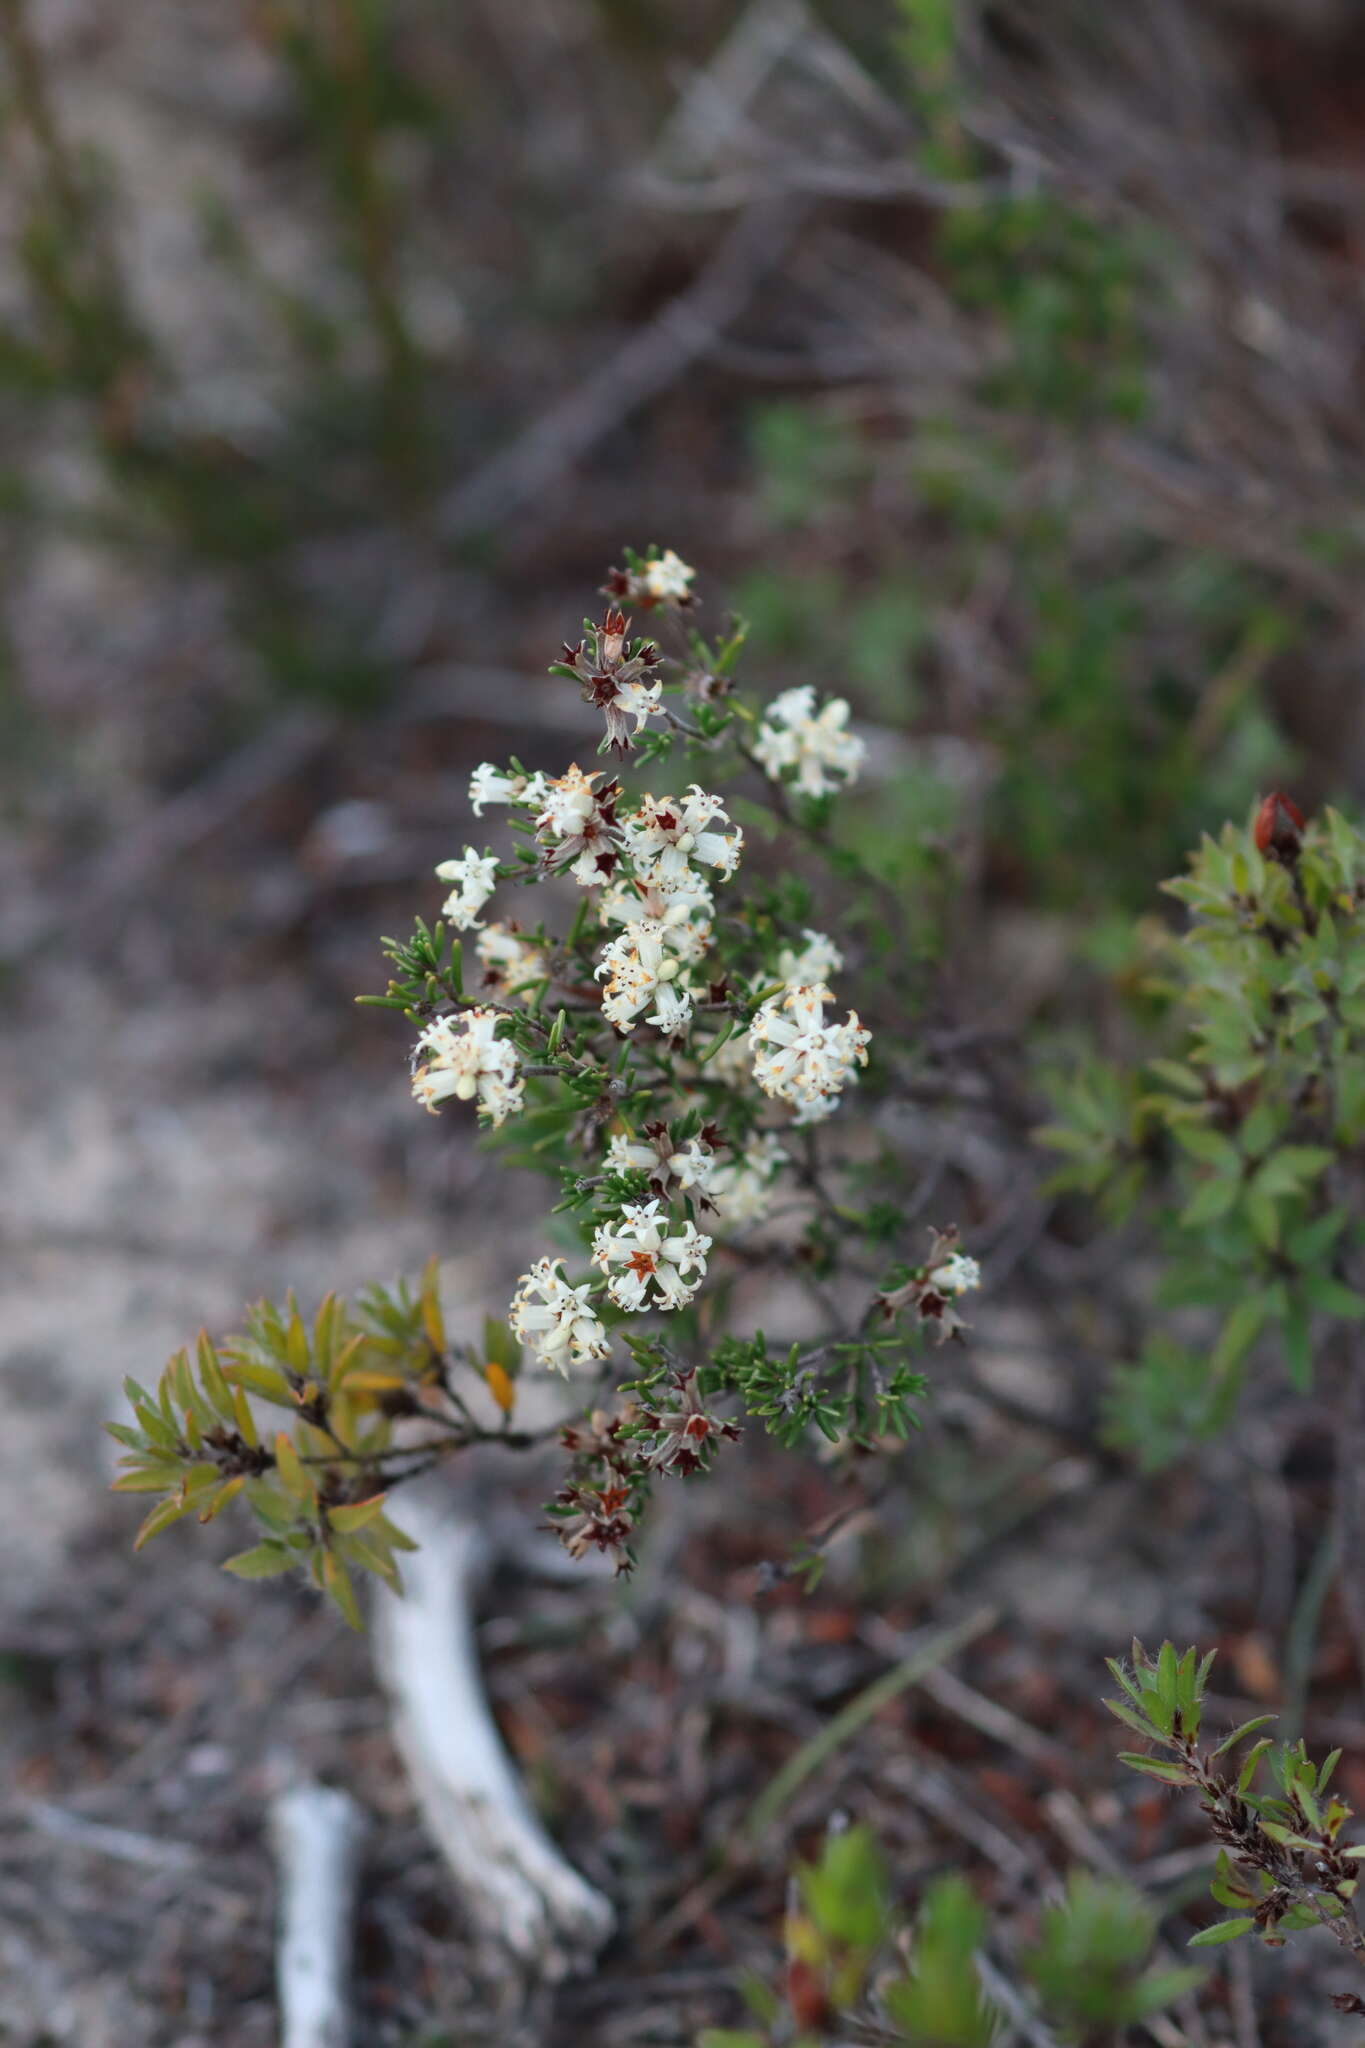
x: 665, y: 1042
x: 1241, y: 1144
x: 847, y: 1976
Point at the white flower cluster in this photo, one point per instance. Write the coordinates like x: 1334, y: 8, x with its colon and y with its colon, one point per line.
x: 691, y: 1165
x: 667, y: 833
x: 817, y: 960
x: 637, y: 1255
x: 577, y: 826
x: 462, y: 1056
x: 652, y: 865
x: 819, y: 746
x: 800, y: 1059
x: 475, y: 878
x: 662, y: 937
x: 667, y: 577
x: 555, y: 1321
x: 957, y: 1275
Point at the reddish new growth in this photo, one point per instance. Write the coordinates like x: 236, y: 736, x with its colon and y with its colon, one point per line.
x: 1279, y: 828
x: 614, y: 678
x: 687, y: 1432
x: 595, y: 1509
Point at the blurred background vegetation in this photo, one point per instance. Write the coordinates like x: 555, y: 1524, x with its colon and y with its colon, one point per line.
x: 998, y: 360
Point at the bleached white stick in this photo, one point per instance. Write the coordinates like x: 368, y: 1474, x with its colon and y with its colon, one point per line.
x: 317, y: 1834
x: 516, y: 1885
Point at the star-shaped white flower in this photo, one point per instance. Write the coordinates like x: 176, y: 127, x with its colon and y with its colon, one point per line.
x: 667, y: 833
x: 957, y: 1275
x: 475, y: 877
x: 637, y: 1256
x: 555, y: 1321
x: 799, y: 1058
x: 818, y: 746
x: 817, y: 960
x: 577, y: 826
x: 667, y: 576
x: 461, y: 1057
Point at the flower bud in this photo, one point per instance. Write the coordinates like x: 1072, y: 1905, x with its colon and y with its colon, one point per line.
x: 1279, y: 828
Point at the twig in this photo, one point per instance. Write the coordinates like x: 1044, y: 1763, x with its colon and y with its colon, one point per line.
x: 1012, y: 2003
x: 123, y: 1844
x: 317, y: 1833
x: 643, y: 367
x: 185, y: 821
x: 846, y: 1723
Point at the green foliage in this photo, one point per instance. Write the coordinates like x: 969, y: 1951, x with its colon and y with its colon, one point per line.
x: 1240, y: 1141
x: 939, y: 2002
x: 851, y: 1959
x: 1281, y: 1866
x: 1067, y: 290
x: 317, y: 1488
x: 1090, y: 1965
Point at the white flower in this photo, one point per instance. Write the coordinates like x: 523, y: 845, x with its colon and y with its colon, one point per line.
x: 957, y: 1275
x: 554, y: 1320
x: 667, y: 832
x: 659, y: 940
x: 819, y: 746
x: 488, y: 785
x: 633, y: 967
x: 690, y: 1165
x: 817, y: 960
x: 669, y: 904
x: 578, y: 824
x: 798, y: 1057
x: 672, y: 1012
x: 636, y: 1253
x: 668, y: 576
x: 742, y: 1189
x: 568, y: 802
x: 475, y: 877
x: 508, y: 961
x: 625, y: 1154
x: 463, y: 1057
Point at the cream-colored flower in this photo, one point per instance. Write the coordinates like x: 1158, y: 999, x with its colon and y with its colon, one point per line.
x: 475, y: 877
x: 672, y: 1012
x: 489, y: 785
x: 957, y: 1275
x: 690, y: 1165
x: 818, y: 959
x: 667, y: 576
x: 667, y: 833
x: 634, y: 967
x: 577, y: 826
x: 461, y: 1056
x: 799, y: 1058
x: 555, y: 1321
x: 818, y: 745
x: 636, y: 1256
x: 678, y: 907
